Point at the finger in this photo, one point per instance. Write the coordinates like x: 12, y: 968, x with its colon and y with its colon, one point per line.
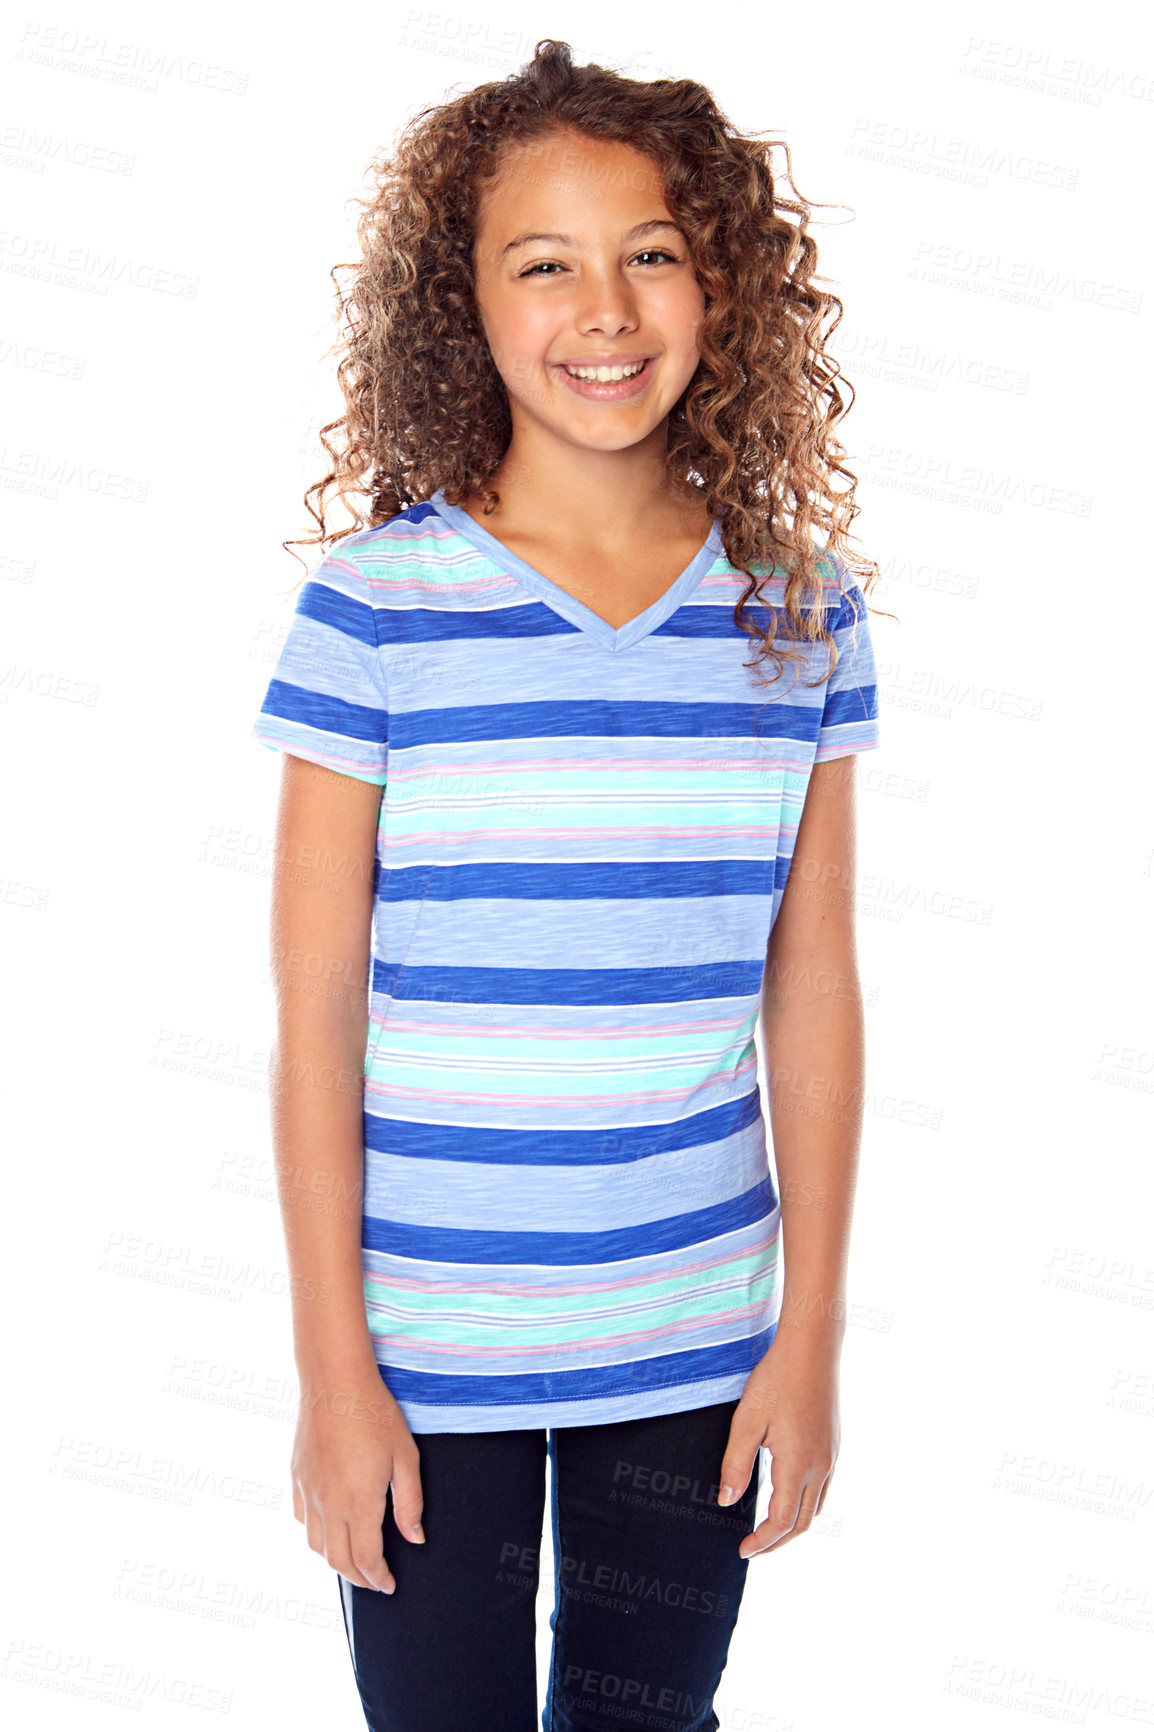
x: 360, y: 1545
x: 408, y: 1497
x: 807, y: 1508
x: 806, y: 1511
x: 764, y: 1538
x: 339, y: 1556
x: 778, y: 1522
x: 737, y: 1464
x: 314, y: 1528
x: 330, y: 1541
x: 824, y: 1489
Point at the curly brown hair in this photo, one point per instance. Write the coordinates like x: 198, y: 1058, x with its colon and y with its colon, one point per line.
x: 753, y: 431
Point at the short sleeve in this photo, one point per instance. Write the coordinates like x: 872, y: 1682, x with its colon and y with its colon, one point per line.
x: 849, y: 721
x: 326, y: 700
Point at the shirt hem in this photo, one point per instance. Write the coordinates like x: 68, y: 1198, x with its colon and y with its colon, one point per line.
x: 434, y: 1417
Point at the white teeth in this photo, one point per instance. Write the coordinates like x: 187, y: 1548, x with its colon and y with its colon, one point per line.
x: 605, y: 375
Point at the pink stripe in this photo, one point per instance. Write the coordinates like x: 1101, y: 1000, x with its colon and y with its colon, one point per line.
x: 479, y: 767
x: 420, y: 1097
x: 527, y: 1290
x: 645, y: 833
x: 527, y: 1030
x: 583, y: 1344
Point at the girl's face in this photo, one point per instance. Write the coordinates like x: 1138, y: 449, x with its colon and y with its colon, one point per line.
x: 578, y: 262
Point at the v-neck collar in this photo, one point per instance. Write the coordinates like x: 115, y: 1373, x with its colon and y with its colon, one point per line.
x: 614, y: 638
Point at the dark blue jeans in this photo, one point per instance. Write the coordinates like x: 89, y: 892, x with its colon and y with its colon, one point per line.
x: 647, y: 1582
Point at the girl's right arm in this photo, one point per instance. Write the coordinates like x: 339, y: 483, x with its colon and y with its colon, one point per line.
x: 351, y: 1438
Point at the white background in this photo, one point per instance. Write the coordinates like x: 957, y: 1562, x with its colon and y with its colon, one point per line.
x: 983, y: 1555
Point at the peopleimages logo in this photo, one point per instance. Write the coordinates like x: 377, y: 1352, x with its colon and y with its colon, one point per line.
x: 630, y: 1692
x: 118, y: 62
x: 577, y: 1574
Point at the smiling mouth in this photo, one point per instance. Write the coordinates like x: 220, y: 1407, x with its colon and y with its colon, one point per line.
x: 628, y: 385
x: 617, y: 371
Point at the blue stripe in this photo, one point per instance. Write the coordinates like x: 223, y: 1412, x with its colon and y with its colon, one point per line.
x: 435, y: 625
x: 317, y: 710
x: 332, y: 607
x: 575, y: 880
x: 413, y: 625
x: 559, y: 1146
x: 852, y: 704
x: 704, y: 620
x: 412, y: 514
x: 667, y: 1370
x: 628, y: 719
x: 646, y: 1239
x: 567, y: 986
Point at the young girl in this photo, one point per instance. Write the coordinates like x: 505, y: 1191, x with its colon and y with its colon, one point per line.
x: 544, y: 808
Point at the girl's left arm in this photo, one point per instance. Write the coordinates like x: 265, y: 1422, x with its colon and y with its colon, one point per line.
x: 813, y: 1031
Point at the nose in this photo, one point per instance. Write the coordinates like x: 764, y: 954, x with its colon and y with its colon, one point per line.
x: 608, y: 305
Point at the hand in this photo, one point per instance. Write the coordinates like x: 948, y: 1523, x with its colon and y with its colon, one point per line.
x: 790, y: 1407
x: 351, y: 1441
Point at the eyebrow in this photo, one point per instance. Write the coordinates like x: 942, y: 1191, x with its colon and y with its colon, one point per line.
x: 632, y: 234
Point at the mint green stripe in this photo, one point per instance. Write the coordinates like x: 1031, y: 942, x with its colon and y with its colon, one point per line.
x: 572, y: 1318
x: 576, y: 1050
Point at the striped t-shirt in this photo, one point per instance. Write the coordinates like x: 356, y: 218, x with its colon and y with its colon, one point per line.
x: 585, y: 832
